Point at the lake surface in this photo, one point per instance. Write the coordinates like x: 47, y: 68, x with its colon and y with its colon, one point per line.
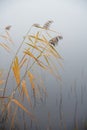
x: 65, y: 107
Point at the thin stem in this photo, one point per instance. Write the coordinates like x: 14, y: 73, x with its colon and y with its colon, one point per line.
x: 26, y: 73
x: 13, y: 60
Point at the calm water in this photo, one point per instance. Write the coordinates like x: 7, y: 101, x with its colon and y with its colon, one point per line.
x: 65, y: 108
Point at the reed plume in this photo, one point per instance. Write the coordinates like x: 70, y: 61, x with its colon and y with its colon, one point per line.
x: 47, y: 24
x: 54, y: 41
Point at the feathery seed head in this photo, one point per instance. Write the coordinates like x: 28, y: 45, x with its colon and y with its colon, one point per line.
x: 8, y: 27
x: 47, y: 24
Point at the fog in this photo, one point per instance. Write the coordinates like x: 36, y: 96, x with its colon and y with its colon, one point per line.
x: 70, y: 20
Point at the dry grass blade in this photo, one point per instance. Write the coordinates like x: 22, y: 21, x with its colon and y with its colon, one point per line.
x: 30, y: 39
x: 51, y: 48
x: 48, y: 35
x: 41, y: 64
x: 45, y: 50
x: 45, y: 40
x: 6, y: 106
x: 40, y: 84
x: 23, y: 61
x: 40, y: 39
x: 9, y: 37
x: 33, y: 86
x: 25, y: 91
x: 4, y: 37
x: 36, y: 25
x: 53, y: 51
x: 52, y: 67
x: 47, y: 61
x: 27, y: 52
x: 34, y: 47
x: 56, y: 75
x: 13, y: 118
x: 34, y: 36
x: 23, y: 108
x: 16, y: 70
x: 31, y: 78
x: 5, y: 47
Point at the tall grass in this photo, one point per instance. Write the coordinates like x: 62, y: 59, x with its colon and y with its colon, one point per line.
x: 34, y: 52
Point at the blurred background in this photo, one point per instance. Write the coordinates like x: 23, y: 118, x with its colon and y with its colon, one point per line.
x: 66, y: 100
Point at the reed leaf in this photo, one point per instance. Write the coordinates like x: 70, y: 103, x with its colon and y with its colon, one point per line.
x: 38, y: 38
x: 4, y: 37
x: 6, y: 47
x: 53, y: 51
x: 23, y: 108
x: 34, y: 47
x: 16, y: 70
x: 25, y: 91
x: 36, y: 58
x: 36, y: 25
x: 41, y: 64
x: 9, y: 37
x: 31, y: 78
x: 23, y: 61
x: 27, y: 52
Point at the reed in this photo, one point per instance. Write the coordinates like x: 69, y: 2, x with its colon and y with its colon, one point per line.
x: 36, y: 52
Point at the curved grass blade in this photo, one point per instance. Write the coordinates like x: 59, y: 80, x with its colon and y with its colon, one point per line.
x: 16, y: 71
x: 23, y: 108
x: 34, y: 36
x: 9, y: 37
x: 35, y: 58
x: 25, y: 91
x: 27, y: 52
x: 31, y: 78
x: 23, y: 61
x: 34, y: 47
x: 6, y: 47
